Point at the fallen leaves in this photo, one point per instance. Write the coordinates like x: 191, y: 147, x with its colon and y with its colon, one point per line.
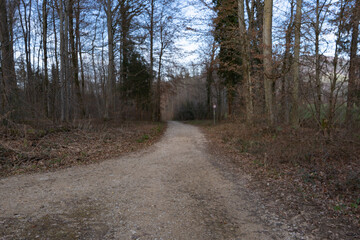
x: 297, y: 167
x: 67, y: 146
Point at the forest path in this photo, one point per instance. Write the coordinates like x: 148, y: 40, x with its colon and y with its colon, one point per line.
x: 172, y: 190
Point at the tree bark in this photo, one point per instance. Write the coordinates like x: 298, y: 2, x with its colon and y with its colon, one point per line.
x: 46, y: 75
x: 75, y: 62
x: 7, y: 61
x: 26, y: 31
x: 111, y: 66
x: 267, y: 41
x: 151, y: 32
x: 63, y: 64
x: 351, y: 96
x: 294, y: 114
x: 286, y: 68
x: 244, y: 41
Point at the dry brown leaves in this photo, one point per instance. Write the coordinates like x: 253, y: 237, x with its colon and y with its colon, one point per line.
x: 42, y: 149
x: 304, y: 169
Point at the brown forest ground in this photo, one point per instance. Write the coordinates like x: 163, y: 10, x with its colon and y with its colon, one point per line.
x: 39, y: 146
x: 315, y: 175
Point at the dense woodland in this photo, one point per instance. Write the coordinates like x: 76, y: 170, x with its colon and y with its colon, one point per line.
x: 76, y: 75
x: 294, y: 62
x: 299, y: 66
x: 66, y: 60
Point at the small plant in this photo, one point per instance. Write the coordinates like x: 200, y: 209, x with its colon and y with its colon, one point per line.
x: 355, y: 204
x: 143, y: 138
x: 339, y: 207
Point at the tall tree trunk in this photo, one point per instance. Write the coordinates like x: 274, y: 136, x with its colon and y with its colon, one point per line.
x: 75, y: 62
x: 286, y: 68
x: 267, y: 41
x: 63, y: 64
x: 68, y: 83
x: 244, y: 41
x: 294, y: 114
x: 7, y: 61
x: 355, y: 18
x: 79, y: 48
x: 100, y: 113
x: 152, y: 51
x: 25, y: 24
x: 210, y: 79
x: 46, y: 76
x: 317, y: 64
x: 111, y: 66
x: 55, y: 80
x: 158, y: 83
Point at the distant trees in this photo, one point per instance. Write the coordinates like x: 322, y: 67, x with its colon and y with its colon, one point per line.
x: 70, y: 59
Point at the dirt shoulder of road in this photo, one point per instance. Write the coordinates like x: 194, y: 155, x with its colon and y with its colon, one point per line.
x: 27, y: 148
x: 320, y: 198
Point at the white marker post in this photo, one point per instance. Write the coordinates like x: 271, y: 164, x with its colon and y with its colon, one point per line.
x: 214, y: 108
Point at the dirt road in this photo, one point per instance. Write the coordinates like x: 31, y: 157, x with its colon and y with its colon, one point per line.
x: 171, y: 190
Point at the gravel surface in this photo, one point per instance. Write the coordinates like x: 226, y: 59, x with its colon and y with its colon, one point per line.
x: 171, y: 190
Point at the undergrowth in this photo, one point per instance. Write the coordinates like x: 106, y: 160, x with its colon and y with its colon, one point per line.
x: 325, y: 168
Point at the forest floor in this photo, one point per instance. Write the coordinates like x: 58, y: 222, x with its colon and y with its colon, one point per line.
x: 188, y: 185
x: 39, y: 147
x: 309, y: 178
x: 173, y: 189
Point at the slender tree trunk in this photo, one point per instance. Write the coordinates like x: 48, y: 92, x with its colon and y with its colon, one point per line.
x: 94, y: 71
x: 75, y: 65
x: 294, y: 114
x: 334, y: 77
x: 210, y: 79
x: 7, y: 61
x: 56, y: 78
x: 63, y: 65
x: 317, y: 64
x: 79, y: 48
x: 244, y: 41
x: 286, y: 69
x: 111, y: 67
x: 46, y: 76
x: 158, y: 86
x: 68, y: 82
x: 152, y: 51
x: 26, y: 31
x: 267, y: 41
x: 353, y: 61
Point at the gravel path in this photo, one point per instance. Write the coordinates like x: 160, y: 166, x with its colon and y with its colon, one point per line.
x: 171, y: 190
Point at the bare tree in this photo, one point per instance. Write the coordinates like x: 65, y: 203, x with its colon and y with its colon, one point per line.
x: 294, y: 116
x: 7, y: 62
x: 46, y: 75
x: 354, y: 62
x: 75, y: 61
x: 244, y: 41
x: 267, y: 40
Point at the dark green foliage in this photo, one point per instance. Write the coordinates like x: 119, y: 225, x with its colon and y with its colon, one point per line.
x: 136, y: 85
x: 226, y: 34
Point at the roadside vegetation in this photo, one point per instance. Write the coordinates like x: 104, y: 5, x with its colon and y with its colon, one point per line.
x: 301, y: 167
x: 40, y: 146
